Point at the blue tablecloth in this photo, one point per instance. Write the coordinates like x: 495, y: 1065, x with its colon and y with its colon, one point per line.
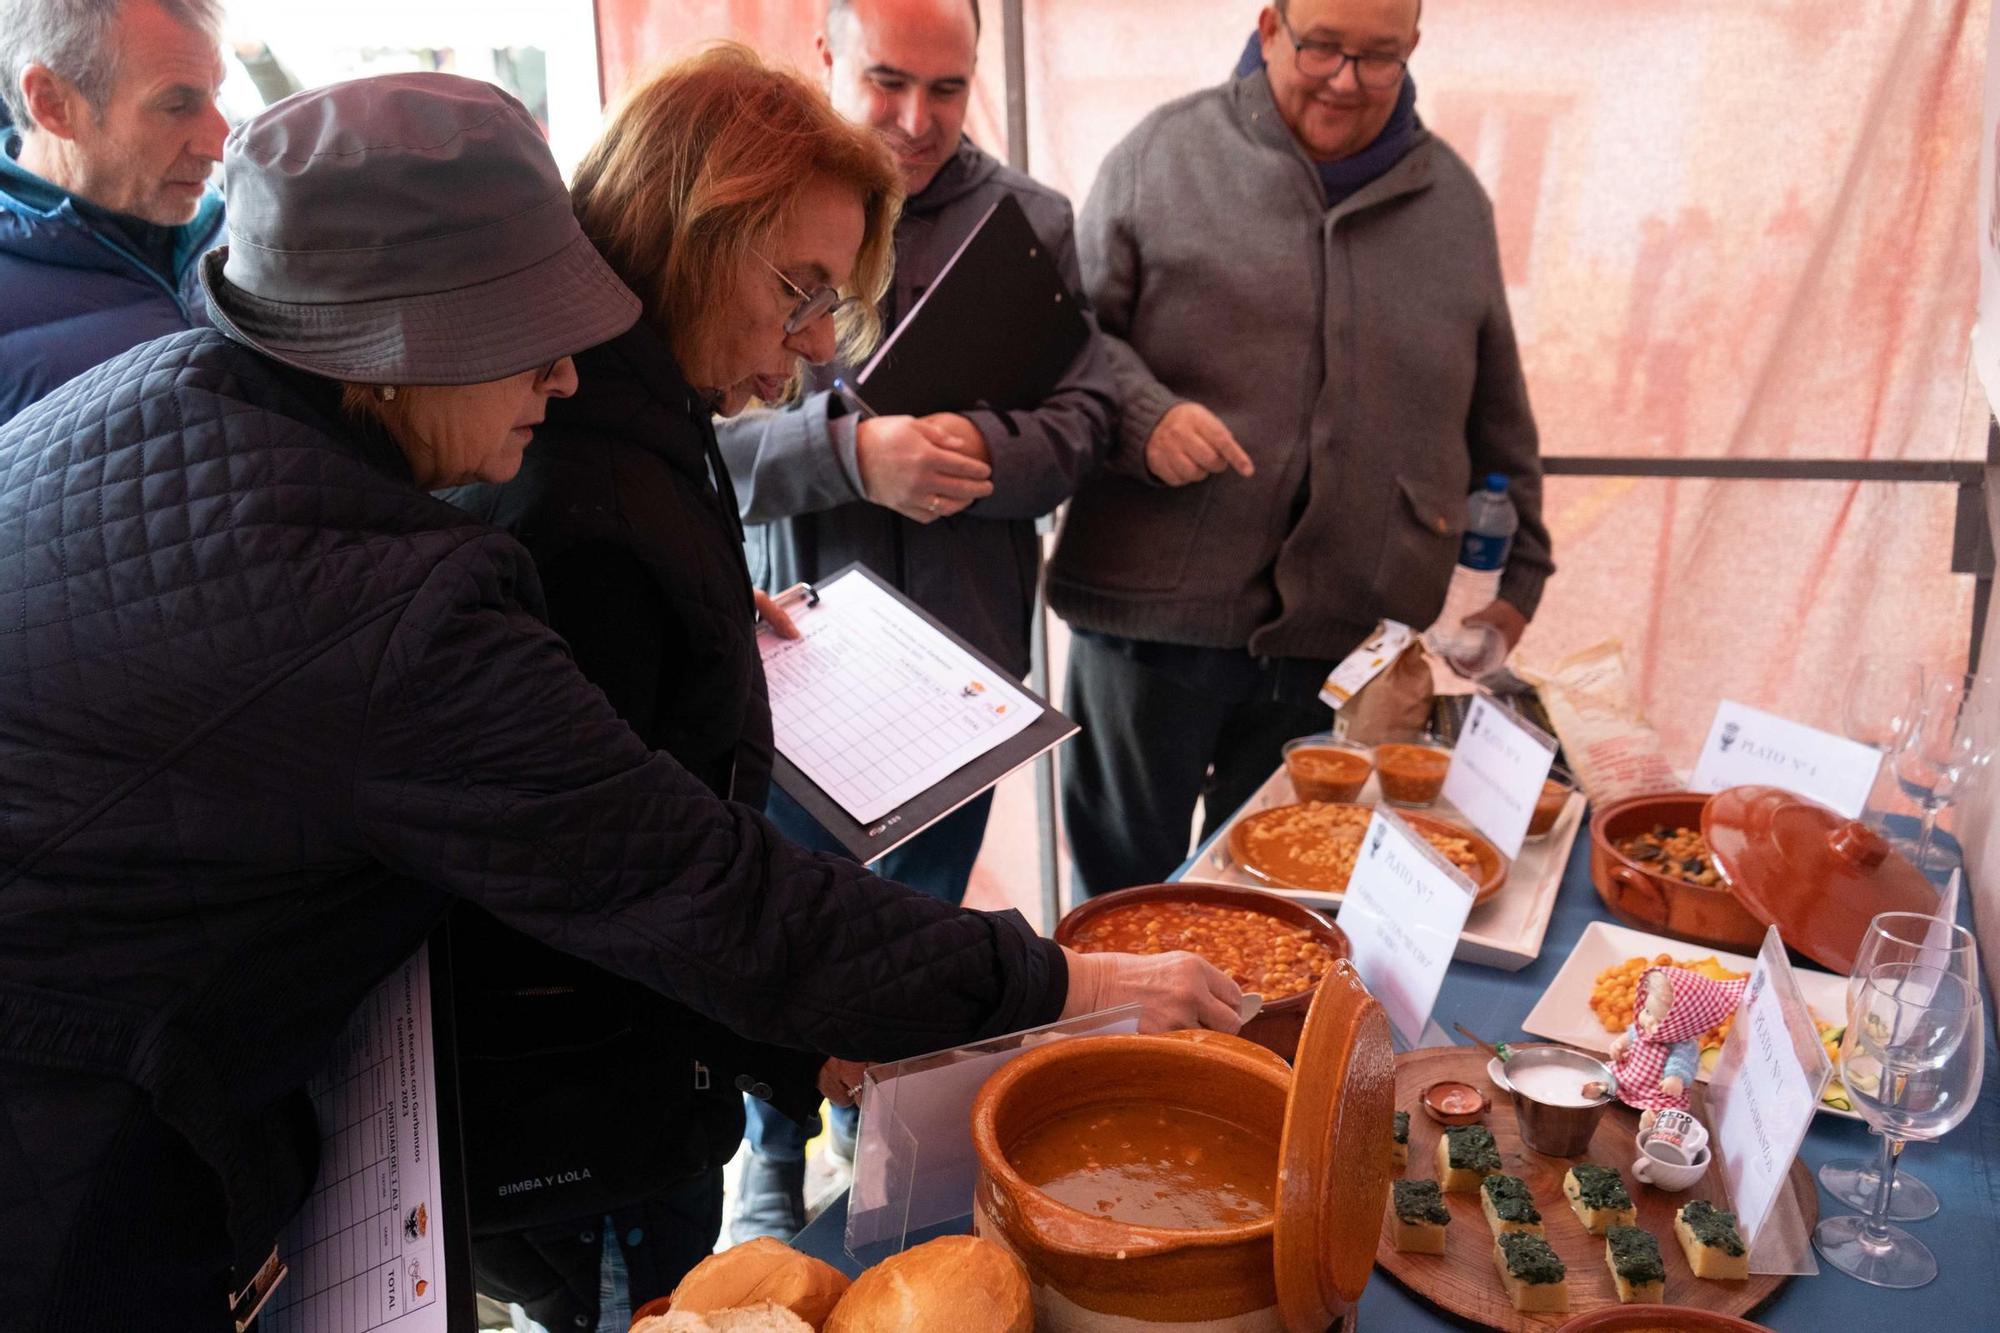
x: 1962, y: 1168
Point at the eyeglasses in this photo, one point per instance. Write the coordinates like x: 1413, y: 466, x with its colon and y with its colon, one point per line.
x: 548, y: 372
x: 820, y: 301
x: 1375, y: 71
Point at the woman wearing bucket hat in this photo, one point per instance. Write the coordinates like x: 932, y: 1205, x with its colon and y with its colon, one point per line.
x: 746, y: 213
x: 269, y: 707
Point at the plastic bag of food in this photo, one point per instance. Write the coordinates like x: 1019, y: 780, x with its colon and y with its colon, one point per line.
x: 1612, y: 749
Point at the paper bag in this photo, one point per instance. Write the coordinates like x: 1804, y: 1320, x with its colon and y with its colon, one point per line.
x: 1397, y: 703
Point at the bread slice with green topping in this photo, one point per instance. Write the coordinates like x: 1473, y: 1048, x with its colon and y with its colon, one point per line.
x: 1597, y: 1196
x: 1633, y: 1257
x: 1421, y: 1217
x: 1400, y: 1137
x: 1708, y: 1236
x: 1531, y: 1272
x: 1466, y: 1155
x: 1508, y: 1204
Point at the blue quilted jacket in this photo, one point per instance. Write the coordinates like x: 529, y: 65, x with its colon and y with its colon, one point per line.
x: 73, y: 294
x: 264, y: 709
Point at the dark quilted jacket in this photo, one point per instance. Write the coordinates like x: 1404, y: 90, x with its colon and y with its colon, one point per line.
x: 595, y: 1081
x: 264, y: 708
x: 641, y: 559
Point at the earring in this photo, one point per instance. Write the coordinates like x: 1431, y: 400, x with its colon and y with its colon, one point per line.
x: 385, y: 393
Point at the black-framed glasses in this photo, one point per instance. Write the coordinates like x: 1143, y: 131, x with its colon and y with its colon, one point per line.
x: 820, y: 301
x: 1376, y: 71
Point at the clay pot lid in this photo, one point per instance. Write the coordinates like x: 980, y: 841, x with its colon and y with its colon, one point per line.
x: 1816, y: 875
x: 1334, y: 1159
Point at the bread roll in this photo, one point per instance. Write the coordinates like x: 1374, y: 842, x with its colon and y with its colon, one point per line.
x: 761, y: 1270
x: 763, y: 1317
x: 954, y: 1284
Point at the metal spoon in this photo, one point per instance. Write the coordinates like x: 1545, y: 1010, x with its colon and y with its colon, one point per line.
x: 1501, y: 1051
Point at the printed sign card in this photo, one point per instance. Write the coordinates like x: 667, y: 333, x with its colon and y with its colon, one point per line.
x: 1746, y: 746
x: 1497, y: 770
x: 1761, y: 1099
x: 1403, y: 912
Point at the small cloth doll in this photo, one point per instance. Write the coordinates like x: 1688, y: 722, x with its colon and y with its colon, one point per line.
x: 1656, y: 1058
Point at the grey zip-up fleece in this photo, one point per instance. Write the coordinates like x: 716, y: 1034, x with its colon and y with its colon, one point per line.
x: 799, y: 488
x: 1363, y: 356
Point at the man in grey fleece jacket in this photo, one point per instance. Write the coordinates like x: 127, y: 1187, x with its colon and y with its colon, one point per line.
x: 1301, y: 296
x: 943, y: 506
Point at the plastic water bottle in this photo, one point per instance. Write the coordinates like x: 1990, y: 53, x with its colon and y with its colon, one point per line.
x: 1490, y: 524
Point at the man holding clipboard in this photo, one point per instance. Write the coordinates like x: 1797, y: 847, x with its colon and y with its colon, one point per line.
x: 940, y: 505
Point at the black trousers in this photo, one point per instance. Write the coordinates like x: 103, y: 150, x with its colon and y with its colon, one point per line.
x: 137, y: 1239
x: 1165, y: 725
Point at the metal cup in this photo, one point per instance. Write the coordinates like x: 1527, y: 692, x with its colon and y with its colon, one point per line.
x: 1549, y: 1128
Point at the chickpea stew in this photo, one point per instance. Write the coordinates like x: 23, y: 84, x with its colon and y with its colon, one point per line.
x: 1260, y: 953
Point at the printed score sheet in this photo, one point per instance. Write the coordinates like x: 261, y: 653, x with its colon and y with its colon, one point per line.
x: 875, y: 705
x: 367, y: 1250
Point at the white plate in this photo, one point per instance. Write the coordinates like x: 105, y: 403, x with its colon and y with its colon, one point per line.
x: 1563, y: 1012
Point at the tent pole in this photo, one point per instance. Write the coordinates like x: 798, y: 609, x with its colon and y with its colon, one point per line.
x: 1014, y: 34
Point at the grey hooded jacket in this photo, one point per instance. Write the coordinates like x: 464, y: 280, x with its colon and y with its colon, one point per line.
x: 799, y: 487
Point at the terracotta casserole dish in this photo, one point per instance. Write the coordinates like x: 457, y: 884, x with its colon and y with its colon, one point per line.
x: 1647, y: 900
x: 1277, y: 1026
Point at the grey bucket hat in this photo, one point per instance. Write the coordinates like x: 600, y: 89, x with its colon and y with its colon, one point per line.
x: 406, y: 229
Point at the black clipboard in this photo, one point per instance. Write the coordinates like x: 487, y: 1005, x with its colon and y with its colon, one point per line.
x: 998, y: 328
x: 868, y: 842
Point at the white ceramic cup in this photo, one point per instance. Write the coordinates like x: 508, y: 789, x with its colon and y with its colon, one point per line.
x: 1657, y: 1165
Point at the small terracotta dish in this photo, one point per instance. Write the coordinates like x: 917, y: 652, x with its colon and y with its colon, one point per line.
x: 1549, y: 806
x: 1412, y: 772
x: 1455, y: 1103
x: 1324, y: 769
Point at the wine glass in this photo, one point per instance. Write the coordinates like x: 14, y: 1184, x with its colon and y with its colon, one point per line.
x: 1900, y: 937
x: 1948, y: 742
x: 1882, y: 699
x: 1912, y: 1058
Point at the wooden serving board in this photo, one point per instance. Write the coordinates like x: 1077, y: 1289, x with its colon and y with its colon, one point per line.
x: 1463, y: 1280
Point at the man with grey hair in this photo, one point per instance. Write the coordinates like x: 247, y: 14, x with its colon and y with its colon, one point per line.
x: 104, y: 196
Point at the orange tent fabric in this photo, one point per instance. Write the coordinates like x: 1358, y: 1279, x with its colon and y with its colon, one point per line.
x: 1730, y: 230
